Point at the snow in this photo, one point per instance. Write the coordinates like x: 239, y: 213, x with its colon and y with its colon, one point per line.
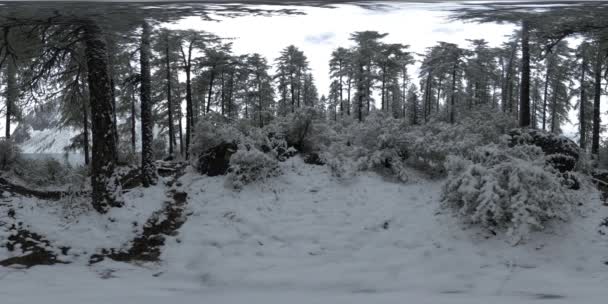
x: 73, y: 223
x: 308, y: 237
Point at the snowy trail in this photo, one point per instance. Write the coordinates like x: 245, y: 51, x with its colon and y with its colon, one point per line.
x: 306, y: 237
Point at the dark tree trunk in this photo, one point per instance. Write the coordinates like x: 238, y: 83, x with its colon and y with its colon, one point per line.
x: 524, y: 111
x: 104, y: 186
x: 189, y: 111
x: 453, y: 95
x: 293, y: 93
x: 554, y: 110
x: 85, y: 134
x: 348, y: 96
x: 383, y: 88
x: 341, y: 90
x: 595, y: 140
x: 169, y: 101
x: 545, y: 96
x: 360, y: 93
x: 181, y: 137
x: 223, y: 92
x: 11, y: 93
x: 438, y: 95
x: 582, y: 115
x: 133, y: 120
x: 260, y: 106
x: 211, y: 79
x: 148, y: 172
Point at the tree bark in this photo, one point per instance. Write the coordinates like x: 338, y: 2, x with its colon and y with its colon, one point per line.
x: 582, y: 115
x: 545, y: 96
x: 524, y: 111
x: 85, y: 134
x: 211, y: 79
x: 133, y: 120
x: 595, y: 140
x: 453, y: 95
x: 189, y: 109
x: 148, y: 171
x: 11, y: 93
x: 104, y: 186
x: 169, y: 101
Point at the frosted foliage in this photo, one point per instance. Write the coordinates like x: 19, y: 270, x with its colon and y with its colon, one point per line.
x: 511, y: 189
x: 208, y: 134
x: 9, y: 154
x: 250, y: 165
x: 429, y: 145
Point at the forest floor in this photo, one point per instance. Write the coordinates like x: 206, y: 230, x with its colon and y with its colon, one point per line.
x: 303, y: 237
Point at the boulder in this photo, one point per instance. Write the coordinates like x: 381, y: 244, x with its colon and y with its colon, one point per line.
x: 215, y: 161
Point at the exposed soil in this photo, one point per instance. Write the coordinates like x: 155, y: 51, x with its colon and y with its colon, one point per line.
x: 34, y: 245
x: 165, y: 222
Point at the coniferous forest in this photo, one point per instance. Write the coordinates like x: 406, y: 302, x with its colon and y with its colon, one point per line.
x: 143, y: 160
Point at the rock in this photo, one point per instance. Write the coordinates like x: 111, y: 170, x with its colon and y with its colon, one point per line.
x: 561, y: 152
x: 216, y: 160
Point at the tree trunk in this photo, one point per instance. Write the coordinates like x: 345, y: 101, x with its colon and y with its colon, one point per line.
x: 545, y: 96
x: 383, y: 88
x: 554, y: 110
x: 595, y: 140
x: 189, y: 111
x: 260, y: 108
x: 211, y: 79
x: 453, y: 95
x: 348, y: 96
x: 133, y: 119
x: 341, y: 91
x: 524, y: 111
x: 148, y: 172
x: 360, y: 93
x: 582, y: 115
x: 223, y: 90
x: 169, y: 101
x: 181, y: 137
x: 85, y: 123
x: 11, y: 93
x: 104, y: 186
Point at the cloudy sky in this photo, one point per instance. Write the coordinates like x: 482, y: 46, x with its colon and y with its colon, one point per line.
x: 322, y: 30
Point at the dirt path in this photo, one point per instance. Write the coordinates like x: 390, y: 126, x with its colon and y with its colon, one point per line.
x: 165, y: 222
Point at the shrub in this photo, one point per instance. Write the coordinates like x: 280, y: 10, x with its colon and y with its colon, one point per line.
x: 126, y: 155
x: 507, y: 188
x: 250, y: 165
x: 159, y: 148
x: 304, y: 130
x: 209, y: 133
x: 46, y: 172
x: 9, y: 154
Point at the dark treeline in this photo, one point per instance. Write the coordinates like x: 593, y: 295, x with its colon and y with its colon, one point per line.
x: 108, y: 75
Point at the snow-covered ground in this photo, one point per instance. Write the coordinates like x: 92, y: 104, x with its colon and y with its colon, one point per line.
x: 307, y: 237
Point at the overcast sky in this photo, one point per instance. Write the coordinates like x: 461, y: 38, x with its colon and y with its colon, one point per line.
x: 322, y: 30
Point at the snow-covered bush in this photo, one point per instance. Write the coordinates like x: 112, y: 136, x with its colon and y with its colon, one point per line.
x: 304, y: 130
x: 126, y: 155
x: 159, y: 148
x: 505, y: 188
x: 429, y: 145
x: 380, y: 142
x: 209, y: 133
x: 45, y: 172
x: 9, y: 154
x: 250, y: 165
